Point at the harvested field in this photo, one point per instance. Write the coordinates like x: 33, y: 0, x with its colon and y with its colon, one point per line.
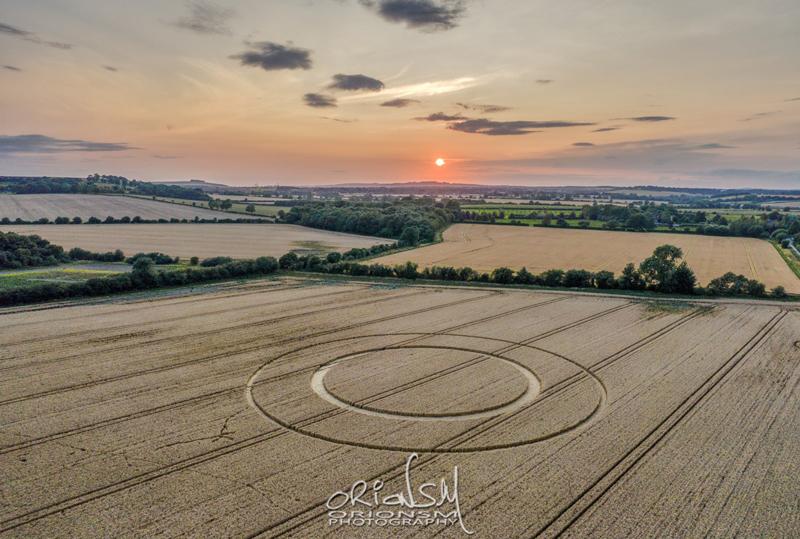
x: 240, y: 411
x: 33, y: 207
x: 202, y: 240
x: 485, y: 247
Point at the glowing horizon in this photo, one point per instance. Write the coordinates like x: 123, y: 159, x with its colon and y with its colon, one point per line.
x: 329, y: 92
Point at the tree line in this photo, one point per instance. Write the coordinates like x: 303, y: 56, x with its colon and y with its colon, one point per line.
x: 21, y: 251
x: 410, y: 220
x: 136, y: 219
x: 96, y: 184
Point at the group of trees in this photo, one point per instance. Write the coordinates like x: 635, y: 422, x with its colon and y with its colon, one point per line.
x: 136, y: 219
x: 410, y: 220
x: 96, y: 184
x: 144, y: 276
x: 20, y: 251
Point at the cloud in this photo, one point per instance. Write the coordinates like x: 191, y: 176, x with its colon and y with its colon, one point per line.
x: 582, y: 144
x: 340, y: 120
x: 12, y: 68
x: 649, y: 118
x: 111, y: 68
x: 354, y: 83
x: 319, y: 101
x: 793, y: 99
x: 713, y: 146
x: 441, y: 117
x: 399, y: 103
x: 544, y: 81
x: 604, y: 129
x: 486, y: 109
x: 483, y: 126
x: 13, y: 144
x: 425, y: 15
x: 13, y: 31
x: 167, y: 156
x: 272, y: 56
x: 206, y: 18
x: 759, y: 115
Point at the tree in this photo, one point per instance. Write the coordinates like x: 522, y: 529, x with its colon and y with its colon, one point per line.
x: 502, y: 275
x: 409, y: 236
x: 333, y: 257
x: 604, y: 279
x: 143, y: 265
x: 226, y: 204
x: 778, y: 292
x: 630, y: 279
x: 524, y: 276
x: 578, y: 278
x: 659, y: 271
x: 288, y: 260
x: 250, y: 208
x: 406, y: 271
x: 683, y: 279
x: 553, y: 277
x: 194, y: 261
x: 77, y: 220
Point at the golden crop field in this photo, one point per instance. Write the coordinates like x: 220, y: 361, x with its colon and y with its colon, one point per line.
x: 33, y: 207
x: 485, y: 247
x: 242, y: 411
x: 202, y: 240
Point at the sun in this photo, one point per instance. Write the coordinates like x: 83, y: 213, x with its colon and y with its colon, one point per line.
x: 439, y: 162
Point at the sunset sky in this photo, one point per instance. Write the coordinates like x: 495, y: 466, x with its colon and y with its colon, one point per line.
x: 526, y: 92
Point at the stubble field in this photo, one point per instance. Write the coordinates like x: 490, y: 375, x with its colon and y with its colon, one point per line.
x: 202, y: 240
x: 485, y: 247
x: 240, y: 411
x: 33, y: 207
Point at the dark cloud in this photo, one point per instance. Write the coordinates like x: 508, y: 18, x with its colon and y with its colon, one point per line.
x: 793, y: 99
x: 441, y: 117
x: 486, y: 109
x: 271, y: 56
x: 399, y: 103
x: 425, y: 15
x: 544, y: 81
x: 582, y: 144
x: 354, y: 83
x: 206, y: 18
x: 713, y: 146
x: 483, y: 126
x: 604, y: 129
x: 319, y: 101
x: 11, y: 144
x: 650, y: 118
x: 13, y: 31
x: 111, y: 68
x: 12, y: 68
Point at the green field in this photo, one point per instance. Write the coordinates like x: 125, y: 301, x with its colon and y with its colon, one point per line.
x: 54, y: 275
x: 262, y: 210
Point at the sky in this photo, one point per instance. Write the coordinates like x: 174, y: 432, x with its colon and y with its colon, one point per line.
x: 311, y: 92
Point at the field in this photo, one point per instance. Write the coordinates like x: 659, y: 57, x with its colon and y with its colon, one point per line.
x: 33, y: 207
x: 240, y: 411
x: 262, y: 209
x: 202, y: 240
x: 485, y: 247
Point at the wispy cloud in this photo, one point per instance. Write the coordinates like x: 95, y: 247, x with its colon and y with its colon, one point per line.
x: 14, y: 144
x: 157, y: 156
x: 425, y: 15
x: 111, y: 68
x: 544, y: 81
x: 353, y: 83
x: 273, y: 56
x: 319, y: 101
x: 483, y: 126
x: 422, y: 89
x: 206, y: 18
x: 582, y: 144
x: 11, y: 68
x: 760, y: 115
x: 13, y: 31
x: 486, y: 109
x: 339, y: 120
x: 605, y: 129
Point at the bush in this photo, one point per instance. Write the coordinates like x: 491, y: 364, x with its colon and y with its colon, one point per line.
x: 288, y: 260
x: 778, y: 292
x: 604, y: 280
x: 157, y: 258
x: 194, y: 261
x: 216, y: 261
x: 502, y: 276
x: 576, y: 278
